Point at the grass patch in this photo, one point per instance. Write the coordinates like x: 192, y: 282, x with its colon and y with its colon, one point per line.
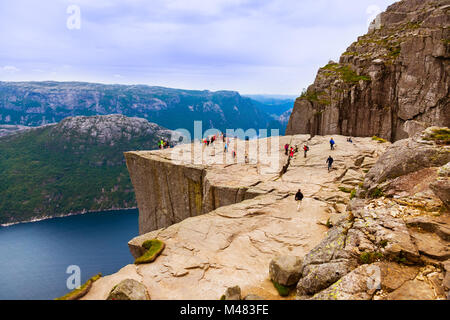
x: 81, y: 291
x: 282, y: 290
x: 369, y: 257
x: 378, y: 139
x: 344, y: 189
x: 383, y: 243
x: 345, y: 73
x: 353, y: 194
x: 440, y: 136
x: 154, y: 248
x: 376, y: 193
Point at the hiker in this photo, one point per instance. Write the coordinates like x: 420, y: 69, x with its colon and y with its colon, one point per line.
x: 330, y: 161
x: 225, y: 148
x: 305, y: 149
x: 286, y: 148
x: 350, y: 140
x: 234, y: 154
x: 291, y: 154
x: 299, y: 198
x: 332, y: 143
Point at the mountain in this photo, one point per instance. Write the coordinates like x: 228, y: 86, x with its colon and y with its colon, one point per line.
x: 38, y: 103
x: 74, y: 166
x: 279, y: 107
x: 392, y: 82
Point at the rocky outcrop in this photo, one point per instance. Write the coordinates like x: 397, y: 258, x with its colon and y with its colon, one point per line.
x: 170, y: 192
x: 441, y: 186
x: 405, y: 157
x: 391, y: 83
x: 387, y: 246
x: 234, y: 244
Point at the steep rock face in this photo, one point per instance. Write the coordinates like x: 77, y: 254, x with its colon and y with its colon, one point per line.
x: 169, y: 192
x: 392, y: 80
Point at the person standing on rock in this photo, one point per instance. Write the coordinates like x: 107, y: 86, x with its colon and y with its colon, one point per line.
x: 286, y: 148
x: 305, y: 149
x: 332, y: 143
x: 299, y: 198
x: 330, y: 161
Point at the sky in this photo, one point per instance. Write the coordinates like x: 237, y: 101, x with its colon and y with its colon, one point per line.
x: 250, y: 46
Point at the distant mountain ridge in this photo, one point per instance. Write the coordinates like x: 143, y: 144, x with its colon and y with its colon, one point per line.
x: 74, y: 166
x: 38, y: 103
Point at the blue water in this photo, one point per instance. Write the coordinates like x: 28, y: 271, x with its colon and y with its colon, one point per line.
x: 34, y: 256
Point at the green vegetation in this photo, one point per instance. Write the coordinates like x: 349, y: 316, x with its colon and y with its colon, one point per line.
x: 346, y: 190
x: 380, y: 140
x: 440, y: 136
x: 370, y: 257
x: 81, y: 291
x: 345, y: 73
x: 383, y: 243
x: 376, y: 193
x: 52, y: 172
x: 154, y: 248
x: 353, y: 194
x: 282, y: 290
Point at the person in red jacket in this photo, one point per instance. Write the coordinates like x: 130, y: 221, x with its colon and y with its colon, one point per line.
x: 305, y: 149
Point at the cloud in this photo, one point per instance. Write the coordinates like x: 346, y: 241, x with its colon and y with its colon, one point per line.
x: 10, y: 69
x: 253, y: 46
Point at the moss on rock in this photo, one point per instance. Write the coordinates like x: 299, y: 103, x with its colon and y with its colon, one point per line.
x: 154, y: 248
x: 81, y: 291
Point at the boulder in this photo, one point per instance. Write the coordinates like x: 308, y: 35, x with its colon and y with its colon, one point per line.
x: 404, y: 157
x: 232, y: 293
x: 129, y: 289
x: 285, y: 270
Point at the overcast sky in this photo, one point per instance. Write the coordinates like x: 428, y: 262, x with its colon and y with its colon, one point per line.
x: 251, y: 46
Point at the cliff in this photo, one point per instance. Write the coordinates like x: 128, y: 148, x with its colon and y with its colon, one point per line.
x: 392, y: 82
x: 170, y: 192
x: 233, y: 241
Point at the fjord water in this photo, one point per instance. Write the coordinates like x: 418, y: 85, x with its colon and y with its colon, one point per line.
x: 34, y: 256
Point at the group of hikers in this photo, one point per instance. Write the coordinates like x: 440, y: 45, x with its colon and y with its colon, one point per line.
x: 299, y: 195
x: 163, y: 144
